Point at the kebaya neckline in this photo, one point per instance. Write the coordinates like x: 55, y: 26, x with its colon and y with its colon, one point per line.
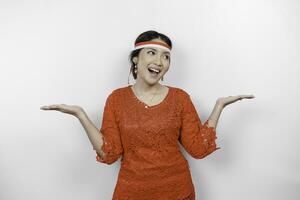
x: 144, y: 104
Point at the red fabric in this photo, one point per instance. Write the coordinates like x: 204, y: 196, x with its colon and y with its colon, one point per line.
x: 153, y: 42
x: 147, y: 140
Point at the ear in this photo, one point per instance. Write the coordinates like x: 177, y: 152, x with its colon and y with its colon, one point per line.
x: 134, y: 59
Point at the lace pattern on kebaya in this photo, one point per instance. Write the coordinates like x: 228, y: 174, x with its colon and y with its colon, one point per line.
x: 152, y: 166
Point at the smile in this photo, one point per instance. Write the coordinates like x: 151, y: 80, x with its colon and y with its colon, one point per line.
x: 154, y: 71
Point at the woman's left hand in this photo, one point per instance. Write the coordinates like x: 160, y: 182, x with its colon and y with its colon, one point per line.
x: 224, y: 101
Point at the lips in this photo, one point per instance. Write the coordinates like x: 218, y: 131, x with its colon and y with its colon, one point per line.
x: 154, y: 70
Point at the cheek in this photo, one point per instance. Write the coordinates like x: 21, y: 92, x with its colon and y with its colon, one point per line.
x: 167, y: 63
x: 145, y: 60
x: 166, y: 68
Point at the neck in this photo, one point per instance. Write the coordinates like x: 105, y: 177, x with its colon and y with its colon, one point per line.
x: 143, y: 87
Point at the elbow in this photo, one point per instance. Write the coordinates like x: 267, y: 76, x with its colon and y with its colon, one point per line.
x: 107, y: 158
x: 199, y: 155
x: 204, y: 153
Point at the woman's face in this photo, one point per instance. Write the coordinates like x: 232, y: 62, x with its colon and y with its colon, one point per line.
x: 150, y: 59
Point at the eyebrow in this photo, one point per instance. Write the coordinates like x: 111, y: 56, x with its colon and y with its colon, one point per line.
x: 155, y: 50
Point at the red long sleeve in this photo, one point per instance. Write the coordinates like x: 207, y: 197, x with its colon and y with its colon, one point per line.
x: 148, y: 140
x: 112, y: 145
x: 198, y: 139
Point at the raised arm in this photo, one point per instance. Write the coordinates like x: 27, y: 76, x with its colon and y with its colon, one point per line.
x: 200, y: 139
x: 106, y: 141
x: 92, y: 132
x: 212, y: 121
x: 94, y: 135
x: 220, y: 104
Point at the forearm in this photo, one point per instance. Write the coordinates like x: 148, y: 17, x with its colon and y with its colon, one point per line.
x: 92, y: 132
x: 215, y: 114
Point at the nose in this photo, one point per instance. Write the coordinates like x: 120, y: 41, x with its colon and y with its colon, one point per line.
x: 158, y: 61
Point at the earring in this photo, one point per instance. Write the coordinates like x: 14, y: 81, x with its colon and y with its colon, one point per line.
x: 135, y: 69
x: 162, y: 78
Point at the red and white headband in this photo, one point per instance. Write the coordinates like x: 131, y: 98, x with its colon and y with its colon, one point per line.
x: 152, y: 44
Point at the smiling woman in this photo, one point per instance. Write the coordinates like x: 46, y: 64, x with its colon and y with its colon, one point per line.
x: 154, y: 43
x: 143, y: 124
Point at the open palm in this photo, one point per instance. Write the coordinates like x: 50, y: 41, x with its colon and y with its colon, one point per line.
x: 69, y: 109
x: 224, y: 101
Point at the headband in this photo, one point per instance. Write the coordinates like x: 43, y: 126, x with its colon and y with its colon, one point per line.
x: 152, y: 44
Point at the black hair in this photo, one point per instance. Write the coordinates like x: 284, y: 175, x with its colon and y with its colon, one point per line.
x: 144, y: 37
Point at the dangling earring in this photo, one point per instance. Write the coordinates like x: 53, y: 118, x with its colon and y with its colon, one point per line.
x: 162, y: 78
x: 135, y: 69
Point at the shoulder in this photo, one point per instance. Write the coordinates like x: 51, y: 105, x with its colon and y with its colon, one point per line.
x: 180, y: 92
x: 180, y: 95
x: 118, y: 92
x: 113, y: 97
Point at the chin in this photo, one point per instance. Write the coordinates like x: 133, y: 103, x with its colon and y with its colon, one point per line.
x: 156, y: 80
x: 151, y: 81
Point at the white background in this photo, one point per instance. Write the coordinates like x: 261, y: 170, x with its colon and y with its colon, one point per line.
x: 76, y: 52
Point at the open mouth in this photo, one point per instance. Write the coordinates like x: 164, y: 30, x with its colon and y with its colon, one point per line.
x: 153, y: 71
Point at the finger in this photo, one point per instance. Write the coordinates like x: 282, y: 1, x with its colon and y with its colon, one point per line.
x: 53, y: 107
x: 44, y: 107
x: 248, y: 96
x: 238, y: 97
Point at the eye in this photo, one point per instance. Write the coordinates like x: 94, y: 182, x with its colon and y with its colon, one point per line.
x: 151, y: 52
x: 167, y: 57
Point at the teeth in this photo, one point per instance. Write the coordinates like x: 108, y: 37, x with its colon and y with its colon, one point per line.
x: 156, y: 70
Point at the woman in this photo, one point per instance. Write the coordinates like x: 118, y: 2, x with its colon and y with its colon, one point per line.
x: 142, y: 124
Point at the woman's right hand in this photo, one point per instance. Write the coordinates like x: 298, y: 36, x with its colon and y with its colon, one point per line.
x: 69, y: 109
